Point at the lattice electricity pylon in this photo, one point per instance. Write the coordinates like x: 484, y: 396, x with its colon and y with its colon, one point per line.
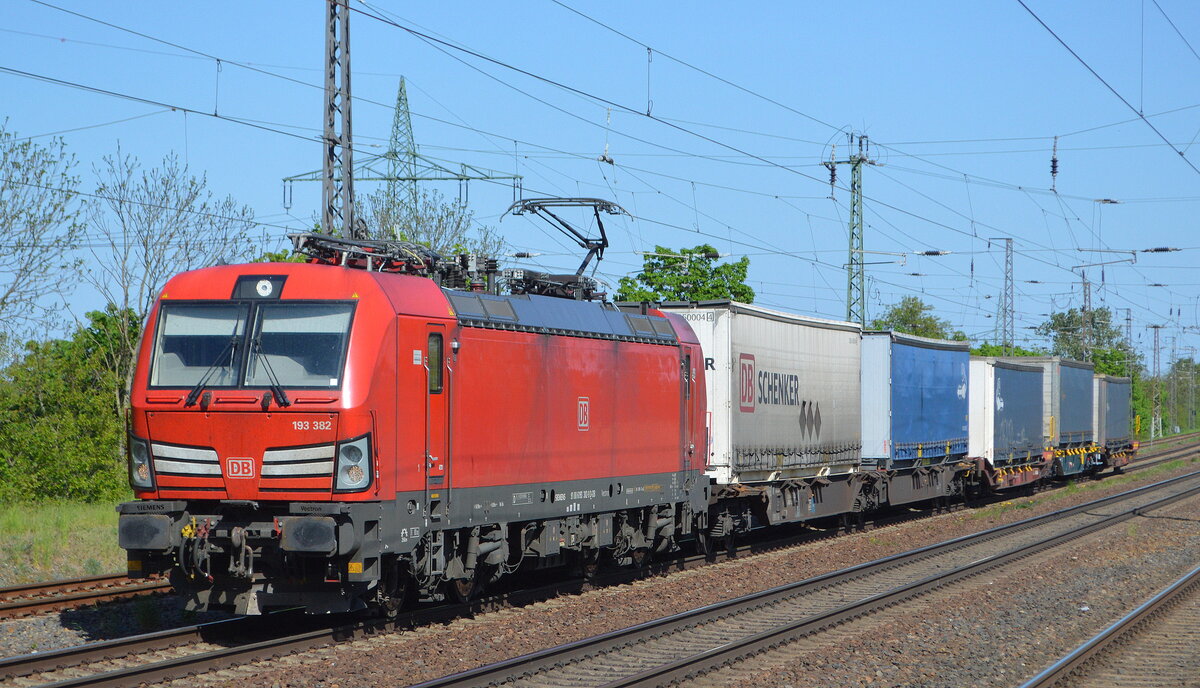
x: 402, y: 166
x: 856, y: 294
x: 1005, y: 327
x: 1156, y: 392
x: 402, y: 152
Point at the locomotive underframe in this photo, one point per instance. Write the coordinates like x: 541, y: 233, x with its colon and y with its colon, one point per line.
x: 250, y: 556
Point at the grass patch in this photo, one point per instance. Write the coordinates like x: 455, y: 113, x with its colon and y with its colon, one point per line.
x: 40, y: 542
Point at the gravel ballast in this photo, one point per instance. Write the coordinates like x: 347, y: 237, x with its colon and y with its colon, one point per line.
x: 407, y: 657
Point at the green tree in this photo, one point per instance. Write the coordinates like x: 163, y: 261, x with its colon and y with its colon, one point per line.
x: 1180, y: 395
x: 285, y: 256
x: 987, y: 349
x: 60, y: 435
x: 1110, y: 353
x: 690, y: 274
x: 913, y: 316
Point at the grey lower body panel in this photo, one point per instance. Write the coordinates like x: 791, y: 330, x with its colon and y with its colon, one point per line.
x: 471, y: 506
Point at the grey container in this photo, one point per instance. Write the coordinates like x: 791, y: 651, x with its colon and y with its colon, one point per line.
x: 783, y: 392
x: 1006, y: 411
x: 1111, y: 414
x: 1067, y: 391
x: 914, y: 399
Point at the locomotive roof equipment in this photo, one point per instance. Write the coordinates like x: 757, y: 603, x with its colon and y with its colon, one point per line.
x: 576, y: 286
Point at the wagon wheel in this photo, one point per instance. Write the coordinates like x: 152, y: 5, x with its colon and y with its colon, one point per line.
x: 589, y: 565
x: 730, y: 542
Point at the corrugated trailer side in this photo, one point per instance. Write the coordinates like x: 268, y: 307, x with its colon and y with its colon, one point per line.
x: 1066, y: 412
x: 1066, y: 399
x: 1118, y: 412
x: 785, y: 424
x: 914, y: 399
x: 783, y: 392
x: 1115, y: 446
x: 1075, y: 403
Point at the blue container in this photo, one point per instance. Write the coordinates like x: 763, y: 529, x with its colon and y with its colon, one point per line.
x: 914, y: 399
x: 1006, y: 412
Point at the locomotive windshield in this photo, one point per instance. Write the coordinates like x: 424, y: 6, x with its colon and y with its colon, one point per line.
x: 301, y: 345
x: 298, y: 344
x: 194, y: 338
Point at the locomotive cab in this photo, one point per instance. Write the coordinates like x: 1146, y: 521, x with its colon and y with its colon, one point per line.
x: 254, y: 435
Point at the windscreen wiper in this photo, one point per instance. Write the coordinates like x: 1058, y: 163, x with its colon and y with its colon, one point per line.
x: 230, y: 348
x: 276, y: 389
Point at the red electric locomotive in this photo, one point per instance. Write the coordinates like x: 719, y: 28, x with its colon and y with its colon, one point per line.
x: 339, y: 434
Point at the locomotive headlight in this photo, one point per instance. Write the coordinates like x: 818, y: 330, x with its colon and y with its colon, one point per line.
x: 140, y: 473
x: 353, y: 465
x: 351, y: 453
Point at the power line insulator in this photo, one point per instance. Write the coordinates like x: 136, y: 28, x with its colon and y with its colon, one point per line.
x: 1054, y: 166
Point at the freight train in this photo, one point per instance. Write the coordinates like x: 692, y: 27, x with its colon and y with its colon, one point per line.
x: 351, y: 432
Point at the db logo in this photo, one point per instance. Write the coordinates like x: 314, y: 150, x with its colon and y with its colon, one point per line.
x: 239, y: 468
x: 746, y: 382
x: 585, y: 413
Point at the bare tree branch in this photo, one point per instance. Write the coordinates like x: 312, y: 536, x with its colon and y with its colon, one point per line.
x: 39, y: 218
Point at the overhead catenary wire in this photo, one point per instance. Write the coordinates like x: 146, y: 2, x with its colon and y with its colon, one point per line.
x: 722, y: 238
x: 1114, y: 91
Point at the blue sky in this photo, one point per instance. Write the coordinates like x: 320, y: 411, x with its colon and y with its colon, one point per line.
x: 961, y: 103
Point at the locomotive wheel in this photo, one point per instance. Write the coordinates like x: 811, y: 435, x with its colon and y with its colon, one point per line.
x: 389, y: 604
x: 393, y: 594
x: 464, y: 590
x: 640, y: 557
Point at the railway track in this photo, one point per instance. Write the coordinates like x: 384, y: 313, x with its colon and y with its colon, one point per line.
x: 34, y: 598
x: 194, y: 649
x: 691, y: 644
x: 1154, y: 644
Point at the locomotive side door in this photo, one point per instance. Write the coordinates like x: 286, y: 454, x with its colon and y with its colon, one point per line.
x: 437, y: 424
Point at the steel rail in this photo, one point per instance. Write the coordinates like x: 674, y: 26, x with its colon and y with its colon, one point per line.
x: 498, y: 673
x: 23, y: 600
x: 64, y: 584
x: 225, y: 631
x: 1081, y: 656
x: 29, y: 597
x: 52, y: 660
